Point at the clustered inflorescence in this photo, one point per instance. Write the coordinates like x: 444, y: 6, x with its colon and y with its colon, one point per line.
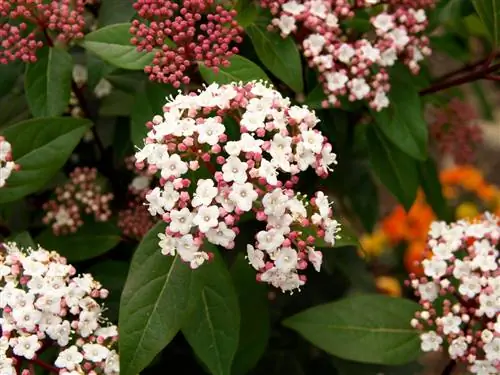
x: 240, y: 138
x: 23, y: 22
x: 135, y: 220
x: 81, y: 195
x: 46, y: 305
x: 353, y: 64
x: 456, y: 131
x: 460, y: 293
x: 198, y: 31
x: 6, y: 163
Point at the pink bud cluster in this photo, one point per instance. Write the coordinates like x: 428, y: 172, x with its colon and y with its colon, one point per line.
x: 25, y: 21
x: 135, y: 220
x: 350, y: 64
x: 199, y: 31
x: 44, y: 304
x: 81, y: 195
x: 6, y: 163
x: 219, y: 153
x: 455, y: 130
x: 460, y: 293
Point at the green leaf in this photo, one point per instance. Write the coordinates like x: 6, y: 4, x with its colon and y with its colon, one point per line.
x: 117, y: 103
x: 40, y: 147
x: 13, y: 109
x: 148, y: 102
x: 115, y: 11
x: 317, y: 95
x: 397, y: 171
x: 112, y: 275
x: 48, y: 82
x: 279, y: 55
x: 240, y: 70
x: 255, y: 324
x: 89, y: 241
x: 212, y: 330
x: 97, y: 69
x: 489, y: 11
x: 112, y: 44
x: 153, y: 304
x: 248, y: 11
x: 365, y: 328
x: 355, y: 368
x: 429, y: 179
x: 403, y: 122
x: 23, y: 239
x: 10, y: 74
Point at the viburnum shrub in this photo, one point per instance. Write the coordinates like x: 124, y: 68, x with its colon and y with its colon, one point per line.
x: 244, y: 186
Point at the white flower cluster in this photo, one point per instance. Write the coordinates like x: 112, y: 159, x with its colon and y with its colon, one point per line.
x: 460, y: 293
x: 355, y: 69
x: 45, y: 304
x: 6, y: 163
x: 273, y: 139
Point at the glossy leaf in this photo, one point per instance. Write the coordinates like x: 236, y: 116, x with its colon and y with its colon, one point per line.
x: 40, y: 147
x: 213, y: 328
x: 23, y: 239
x: 48, y: 82
x: 255, y: 319
x: 10, y: 74
x: 247, y: 12
x: 429, y: 179
x: 153, y: 304
x: 279, y: 55
x: 112, y: 44
x: 489, y: 11
x: 403, y: 122
x: 115, y: 11
x: 240, y: 70
x: 365, y: 328
x: 89, y: 241
x: 148, y: 102
x: 397, y: 171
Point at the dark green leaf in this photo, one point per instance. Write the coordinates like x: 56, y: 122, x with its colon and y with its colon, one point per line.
x: 112, y: 275
x: 429, y: 179
x: 213, y: 328
x: 255, y: 324
x: 279, y: 55
x: 153, y: 304
x: 148, y: 102
x: 40, y: 147
x: 48, y: 82
x: 91, y: 240
x: 248, y: 11
x: 10, y: 74
x: 240, y: 70
x: 489, y: 11
x: 23, y: 239
x: 115, y: 11
x: 355, y: 368
x: 13, y: 109
x: 117, y: 103
x: 366, y: 328
x: 97, y: 70
x: 112, y: 44
x: 403, y: 122
x: 397, y: 171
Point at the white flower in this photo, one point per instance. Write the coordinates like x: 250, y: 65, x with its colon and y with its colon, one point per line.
x: 489, y: 305
x: 312, y: 140
x: 293, y: 7
x: 383, y: 22
x: 315, y: 257
x: 209, y: 131
x: 167, y: 244
x: 336, y: 80
x: 370, y: 53
x: 275, y: 203
x: 450, y: 324
x: 255, y: 257
x: 321, y: 201
x: 253, y: 120
x: 207, y: 217
x: 140, y: 183
x: 280, y: 146
x: 470, y: 286
x: 286, y: 24
x: 269, y: 240
x: 461, y: 269
x: 428, y: 291
x: 359, y: 88
x: 318, y: 8
x: 233, y: 148
x: 187, y: 247
x: 268, y: 171
x: 234, y: 170
x: 27, y: 318
x: 169, y: 196
x: 286, y: 259
x: 95, y: 352
x: 221, y: 235
x: 399, y: 36
x: 492, y: 350
x: 69, y: 358
x: 458, y: 347
x: 314, y: 43
x: 345, y: 53
x: 380, y: 101
x: 250, y: 144
x: 103, y: 88
x: 205, y: 193
x: 243, y: 196
x: 112, y: 364
x: 481, y: 367
x: 430, y: 341
x: 172, y: 166
x: 434, y: 268
x: 26, y: 346
x: 181, y: 220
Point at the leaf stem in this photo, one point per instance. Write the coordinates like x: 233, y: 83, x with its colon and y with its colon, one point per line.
x: 44, y: 365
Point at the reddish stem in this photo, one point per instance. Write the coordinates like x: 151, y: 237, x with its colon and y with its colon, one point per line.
x: 44, y: 365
